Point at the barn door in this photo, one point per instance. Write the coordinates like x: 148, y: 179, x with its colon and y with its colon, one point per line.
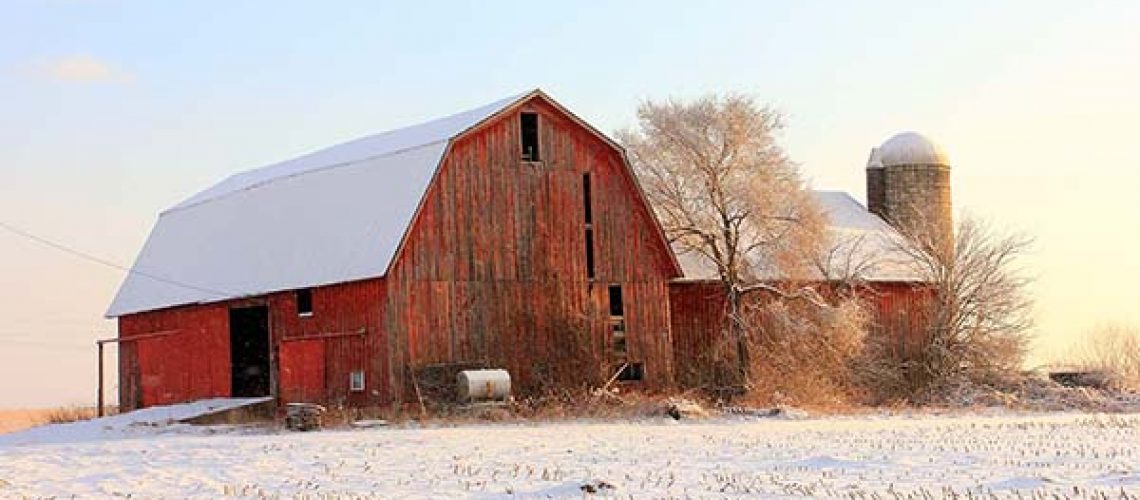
x: 249, y: 351
x: 302, y: 371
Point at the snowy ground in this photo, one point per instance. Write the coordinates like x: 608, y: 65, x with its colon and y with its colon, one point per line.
x: 1070, y: 455
x: 148, y: 422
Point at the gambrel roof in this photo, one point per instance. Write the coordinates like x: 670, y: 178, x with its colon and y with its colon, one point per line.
x: 331, y: 216
x: 335, y: 215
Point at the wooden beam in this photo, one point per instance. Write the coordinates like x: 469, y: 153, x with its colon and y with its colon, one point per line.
x: 99, y: 398
x: 119, y: 340
x: 99, y: 404
x: 329, y: 335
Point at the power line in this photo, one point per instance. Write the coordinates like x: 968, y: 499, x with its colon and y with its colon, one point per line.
x: 104, y: 262
x: 43, y: 338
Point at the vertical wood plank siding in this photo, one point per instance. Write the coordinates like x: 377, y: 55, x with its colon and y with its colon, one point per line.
x: 494, y: 267
x: 347, y: 320
x: 301, y: 370
x: 900, y: 313
x: 193, y: 361
x: 492, y: 271
x: 698, y: 321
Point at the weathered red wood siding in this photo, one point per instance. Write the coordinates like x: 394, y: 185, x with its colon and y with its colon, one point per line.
x: 190, y: 357
x: 698, y: 320
x: 697, y: 317
x: 174, y: 355
x: 302, y: 371
x: 493, y: 270
x: 899, y: 314
x: 347, y: 322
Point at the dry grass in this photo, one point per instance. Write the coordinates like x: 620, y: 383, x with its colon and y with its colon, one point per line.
x: 619, y: 403
x: 68, y: 414
x: 622, y: 403
x: 18, y: 420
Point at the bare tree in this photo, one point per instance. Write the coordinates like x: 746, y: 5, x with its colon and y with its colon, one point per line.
x: 978, y: 319
x: 853, y: 260
x: 1113, y: 350
x: 727, y: 195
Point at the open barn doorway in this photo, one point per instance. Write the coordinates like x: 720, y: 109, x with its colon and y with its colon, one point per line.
x: 249, y: 351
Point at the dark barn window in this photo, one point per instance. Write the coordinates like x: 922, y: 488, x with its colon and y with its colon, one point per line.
x: 529, y: 136
x: 590, y: 274
x: 617, y: 307
x: 632, y: 372
x: 586, y: 203
x: 617, y: 321
x: 588, y: 213
x: 305, y: 302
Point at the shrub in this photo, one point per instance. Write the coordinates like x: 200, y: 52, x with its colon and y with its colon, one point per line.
x: 807, y: 350
x: 1113, y: 351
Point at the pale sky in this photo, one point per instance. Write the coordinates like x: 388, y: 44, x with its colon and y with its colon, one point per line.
x: 111, y: 111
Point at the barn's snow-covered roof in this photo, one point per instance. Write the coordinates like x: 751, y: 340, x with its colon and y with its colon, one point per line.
x: 860, y: 245
x: 331, y: 216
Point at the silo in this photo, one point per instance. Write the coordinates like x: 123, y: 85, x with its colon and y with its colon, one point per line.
x: 876, y: 197
x: 908, y: 184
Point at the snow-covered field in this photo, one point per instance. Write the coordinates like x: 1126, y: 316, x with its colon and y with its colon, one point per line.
x: 1008, y: 456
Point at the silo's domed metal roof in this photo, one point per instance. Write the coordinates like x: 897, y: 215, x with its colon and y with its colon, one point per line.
x: 911, y: 148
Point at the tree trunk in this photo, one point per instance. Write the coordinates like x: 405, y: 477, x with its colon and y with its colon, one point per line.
x: 740, y: 334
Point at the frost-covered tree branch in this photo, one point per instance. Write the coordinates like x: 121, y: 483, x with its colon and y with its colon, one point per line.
x: 726, y: 192
x: 978, y: 322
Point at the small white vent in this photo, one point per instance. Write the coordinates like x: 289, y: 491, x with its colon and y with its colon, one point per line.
x: 356, y: 381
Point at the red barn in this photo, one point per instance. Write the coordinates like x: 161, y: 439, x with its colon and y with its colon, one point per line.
x: 513, y: 235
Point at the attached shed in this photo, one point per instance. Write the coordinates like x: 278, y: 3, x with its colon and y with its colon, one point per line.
x: 862, y: 248
x: 513, y: 235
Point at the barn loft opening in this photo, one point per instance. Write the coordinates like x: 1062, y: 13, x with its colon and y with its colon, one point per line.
x: 588, y: 215
x: 590, y: 273
x: 632, y: 372
x: 588, y: 211
x: 617, y: 305
x: 249, y: 351
x: 529, y: 130
x: 617, y: 321
x: 305, y: 302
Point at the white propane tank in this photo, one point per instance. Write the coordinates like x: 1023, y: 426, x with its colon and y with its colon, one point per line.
x: 484, y: 385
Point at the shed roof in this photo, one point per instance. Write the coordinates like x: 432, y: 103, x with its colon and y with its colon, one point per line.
x: 860, y: 245
x: 331, y: 216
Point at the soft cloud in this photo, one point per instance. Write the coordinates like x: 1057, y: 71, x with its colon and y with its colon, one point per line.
x: 83, y: 68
